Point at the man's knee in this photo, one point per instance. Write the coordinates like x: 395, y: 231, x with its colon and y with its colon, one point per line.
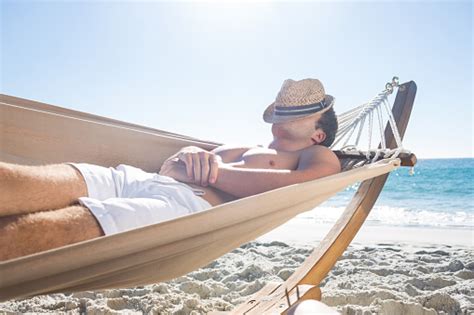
x: 50, y: 175
x: 8, y: 176
x: 27, y: 188
x: 26, y: 234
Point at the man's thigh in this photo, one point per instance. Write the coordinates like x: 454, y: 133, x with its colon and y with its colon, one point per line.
x: 36, y: 188
x: 26, y: 234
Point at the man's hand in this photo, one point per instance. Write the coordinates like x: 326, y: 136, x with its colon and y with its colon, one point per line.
x: 201, y: 165
x: 192, y: 165
x: 176, y: 169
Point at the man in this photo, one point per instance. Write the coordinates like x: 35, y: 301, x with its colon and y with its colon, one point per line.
x: 71, y: 202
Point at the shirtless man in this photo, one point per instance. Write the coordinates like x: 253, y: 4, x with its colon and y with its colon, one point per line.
x: 303, y: 126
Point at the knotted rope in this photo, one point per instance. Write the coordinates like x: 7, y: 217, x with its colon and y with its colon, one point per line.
x: 356, y: 118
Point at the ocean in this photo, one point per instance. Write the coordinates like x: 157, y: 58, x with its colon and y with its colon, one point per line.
x: 440, y: 193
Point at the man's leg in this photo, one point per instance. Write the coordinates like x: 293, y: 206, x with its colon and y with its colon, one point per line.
x: 26, y: 234
x: 26, y: 189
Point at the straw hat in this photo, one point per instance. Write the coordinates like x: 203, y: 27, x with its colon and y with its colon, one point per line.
x: 297, y: 100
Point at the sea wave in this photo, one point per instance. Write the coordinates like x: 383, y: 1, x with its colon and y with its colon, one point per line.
x: 397, y: 216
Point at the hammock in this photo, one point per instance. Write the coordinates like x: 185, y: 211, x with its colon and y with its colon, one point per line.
x: 36, y: 133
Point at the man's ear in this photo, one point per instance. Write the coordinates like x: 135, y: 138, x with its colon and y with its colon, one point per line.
x: 318, y: 136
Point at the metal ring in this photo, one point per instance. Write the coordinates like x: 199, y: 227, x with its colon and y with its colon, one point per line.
x: 395, y: 81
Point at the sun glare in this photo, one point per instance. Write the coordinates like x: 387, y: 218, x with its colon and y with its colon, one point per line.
x: 233, y: 15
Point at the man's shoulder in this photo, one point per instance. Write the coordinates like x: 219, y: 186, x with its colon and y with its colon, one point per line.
x: 230, y: 153
x: 232, y: 148
x: 318, y: 150
x: 317, y: 154
x: 235, y: 146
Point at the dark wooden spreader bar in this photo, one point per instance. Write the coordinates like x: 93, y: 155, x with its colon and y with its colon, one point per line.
x: 407, y: 159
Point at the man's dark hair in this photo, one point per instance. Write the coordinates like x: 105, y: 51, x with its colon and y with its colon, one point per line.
x: 328, y: 123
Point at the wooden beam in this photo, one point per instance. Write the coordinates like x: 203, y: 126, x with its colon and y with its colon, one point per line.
x: 406, y: 158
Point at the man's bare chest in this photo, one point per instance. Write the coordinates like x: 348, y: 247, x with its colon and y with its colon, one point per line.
x: 267, y: 158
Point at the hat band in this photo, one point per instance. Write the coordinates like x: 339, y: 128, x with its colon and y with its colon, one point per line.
x: 299, y: 110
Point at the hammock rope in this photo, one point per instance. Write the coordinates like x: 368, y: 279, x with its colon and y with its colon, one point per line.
x: 356, y: 118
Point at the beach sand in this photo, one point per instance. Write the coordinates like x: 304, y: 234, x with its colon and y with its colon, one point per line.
x: 384, y: 271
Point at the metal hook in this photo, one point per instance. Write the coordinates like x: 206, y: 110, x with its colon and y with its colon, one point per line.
x: 391, y: 85
x: 389, y: 88
x: 395, y: 81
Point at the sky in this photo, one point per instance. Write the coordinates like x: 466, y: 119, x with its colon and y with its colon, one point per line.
x: 209, y: 69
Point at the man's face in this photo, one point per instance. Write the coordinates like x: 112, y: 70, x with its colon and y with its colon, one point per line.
x: 298, y: 132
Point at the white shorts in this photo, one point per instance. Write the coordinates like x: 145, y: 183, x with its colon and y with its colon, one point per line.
x: 126, y: 197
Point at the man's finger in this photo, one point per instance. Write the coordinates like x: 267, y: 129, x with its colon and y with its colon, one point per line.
x: 188, y: 161
x: 214, y: 169
x: 204, y: 168
x: 196, y: 168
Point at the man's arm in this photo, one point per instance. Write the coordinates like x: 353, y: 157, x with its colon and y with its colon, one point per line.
x: 201, y: 166
x: 314, y: 163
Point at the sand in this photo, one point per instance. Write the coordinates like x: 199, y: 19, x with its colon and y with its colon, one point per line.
x: 384, y: 277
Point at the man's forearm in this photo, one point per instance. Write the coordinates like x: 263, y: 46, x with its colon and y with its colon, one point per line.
x: 243, y: 182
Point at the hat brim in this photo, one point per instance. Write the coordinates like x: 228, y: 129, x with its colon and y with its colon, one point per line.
x: 270, y: 117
